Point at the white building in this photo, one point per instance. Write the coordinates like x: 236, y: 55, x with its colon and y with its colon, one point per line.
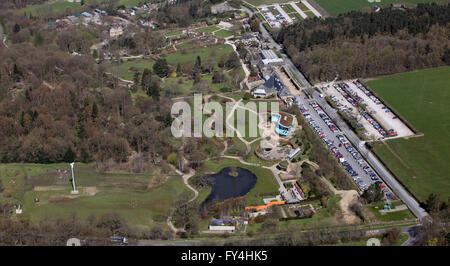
x: 259, y: 93
x: 222, y: 228
x: 115, y: 30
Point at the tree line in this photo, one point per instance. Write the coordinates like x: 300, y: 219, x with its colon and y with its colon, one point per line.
x: 360, y: 44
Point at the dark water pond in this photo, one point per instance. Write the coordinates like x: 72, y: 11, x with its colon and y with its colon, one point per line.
x: 230, y: 182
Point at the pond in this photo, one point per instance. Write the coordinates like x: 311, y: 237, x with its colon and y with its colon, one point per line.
x: 230, y: 182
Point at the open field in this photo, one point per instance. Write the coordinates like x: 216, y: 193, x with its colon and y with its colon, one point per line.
x: 334, y: 7
x: 209, y: 52
x: 266, y: 2
x: 421, y: 97
x: 390, y: 216
x: 208, y: 29
x: 54, y: 7
x: 124, y: 193
x: 223, y: 33
x: 129, y: 3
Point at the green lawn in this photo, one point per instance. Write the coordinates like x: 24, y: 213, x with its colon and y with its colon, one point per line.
x: 139, y: 64
x: 391, y: 216
x: 123, y: 193
x: 309, y: 13
x: 288, y: 8
x: 302, y: 7
x: 334, y: 7
x: 421, y: 97
x: 129, y: 3
x: 55, y: 7
x: 266, y: 2
x: 189, y: 56
x: 295, y: 16
x: 223, y: 33
x: 208, y: 29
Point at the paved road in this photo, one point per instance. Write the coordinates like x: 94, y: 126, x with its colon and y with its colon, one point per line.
x: 413, y: 233
x: 370, y: 157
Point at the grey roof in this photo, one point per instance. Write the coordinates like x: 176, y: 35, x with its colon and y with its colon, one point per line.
x: 269, y: 54
x: 272, y: 85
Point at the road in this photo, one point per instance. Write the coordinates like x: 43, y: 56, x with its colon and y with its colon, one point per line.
x: 394, y: 185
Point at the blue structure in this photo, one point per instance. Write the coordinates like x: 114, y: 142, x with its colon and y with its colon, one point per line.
x: 285, y: 123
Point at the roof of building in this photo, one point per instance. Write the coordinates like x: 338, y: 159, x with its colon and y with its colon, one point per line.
x: 286, y: 119
x: 259, y: 91
x: 222, y: 221
x: 269, y: 54
x: 273, y: 84
x: 273, y: 60
x: 293, y: 153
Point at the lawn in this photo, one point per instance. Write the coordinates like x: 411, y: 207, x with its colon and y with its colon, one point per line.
x: 422, y: 97
x: 208, y: 29
x: 138, y: 64
x: 124, y: 193
x: 57, y: 7
x: 215, y: 52
x: 223, y: 33
x: 309, y: 13
x: 265, y: 185
x: 295, y: 16
x: 129, y: 3
x: 334, y: 7
x: 390, y: 216
x: 288, y: 8
x: 302, y: 7
x: 266, y: 2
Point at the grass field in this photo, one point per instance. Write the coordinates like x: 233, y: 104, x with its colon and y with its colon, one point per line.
x: 129, y: 3
x: 223, y: 33
x: 391, y: 216
x: 266, y: 2
x: 288, y: 8
x: 302, y: 7
x: 124, y: 193
x: 55, y: 7
x: 334, y: 7
x: 208, y: 29
x: 421, y: 97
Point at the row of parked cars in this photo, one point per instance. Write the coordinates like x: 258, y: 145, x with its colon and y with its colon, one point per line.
x: 344, y: 141
x: 373, y: 123
x: 345, y: 95
x: 325, y: 118
x: 352, y: 92
x: 366, y: 92
x: 331, y: 145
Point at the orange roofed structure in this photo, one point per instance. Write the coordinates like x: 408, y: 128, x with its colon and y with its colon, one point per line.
x: 262, y: 207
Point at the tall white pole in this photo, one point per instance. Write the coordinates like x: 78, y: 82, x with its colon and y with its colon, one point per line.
x: 73, y: 179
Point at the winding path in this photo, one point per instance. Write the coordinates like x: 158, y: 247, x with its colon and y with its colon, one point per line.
x: 192, y: 172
